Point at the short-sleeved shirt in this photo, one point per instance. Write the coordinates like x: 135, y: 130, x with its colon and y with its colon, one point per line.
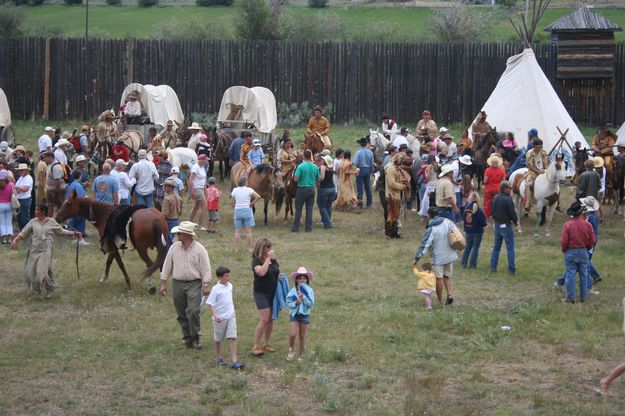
x: 44, y: 142
x: 242, y: 196
x: 75, y: 186
x: 212, y: 195
x: 539, y: 161
x: 200, y: 176
x: 221, y: 299
x: 24, y: 181
x: 444, y: 191
x: 308, y: 174
x: 54, y: 172
x: 104, y: 186
x: 267, y: 283
x: 256, y: 156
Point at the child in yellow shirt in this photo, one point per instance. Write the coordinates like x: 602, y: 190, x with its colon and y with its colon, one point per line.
x: 427, y: 282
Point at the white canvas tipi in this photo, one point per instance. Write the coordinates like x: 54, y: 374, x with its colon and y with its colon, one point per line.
x: 524, y: 99
x: 621, y: 135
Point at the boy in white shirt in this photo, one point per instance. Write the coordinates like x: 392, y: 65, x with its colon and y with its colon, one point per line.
x: 224, y: 317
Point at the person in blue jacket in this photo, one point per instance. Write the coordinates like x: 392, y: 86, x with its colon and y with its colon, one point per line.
x: 300, y: 300
x: 474, y: 223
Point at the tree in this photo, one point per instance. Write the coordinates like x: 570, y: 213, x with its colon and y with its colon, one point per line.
x: 11, y: 19
x: 258, y: 19
x: 460, y: 23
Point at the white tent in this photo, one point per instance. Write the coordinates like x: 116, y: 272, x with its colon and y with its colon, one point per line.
x: 5, y: 112
x: 160, y: 103
x: 621, y: 135
x: 252, y: 105
x: 524, y: 99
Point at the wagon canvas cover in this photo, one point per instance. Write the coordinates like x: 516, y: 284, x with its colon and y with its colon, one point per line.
x: 160, y: 102
x: 5, y: 112
x: 524, y: 99
x: 257, y: 106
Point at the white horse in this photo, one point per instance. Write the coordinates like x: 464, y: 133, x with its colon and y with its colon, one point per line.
x: 546, y: 194
x: 414, y: 144
x: 379, y: 143
x: 517, y: 179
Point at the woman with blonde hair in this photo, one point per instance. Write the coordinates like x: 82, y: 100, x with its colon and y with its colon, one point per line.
x: 474, y: 223
x: 266, y: 272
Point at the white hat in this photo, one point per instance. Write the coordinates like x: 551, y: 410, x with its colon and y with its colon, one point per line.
x: 175, y: 169
x: 185, y: 227
x: 445, y: 170
x: 465, y: 160
x: 443, y: 130
x: 81, y: 158
x: 120, y: 162
x: 590, y: 203
x: 256, y: 142
x: 194, y: 126
x: 4, y: 146
x: 62, y: 142
x: 142, y: 154
x: 48, y: 129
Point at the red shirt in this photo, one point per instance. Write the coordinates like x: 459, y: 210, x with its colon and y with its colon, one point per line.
x: 577, y: 233
x: 120, y: 151
x: 495, y: 176
x: 212, y: 195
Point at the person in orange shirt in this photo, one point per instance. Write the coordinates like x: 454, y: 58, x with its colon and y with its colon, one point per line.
x: 320, y: 126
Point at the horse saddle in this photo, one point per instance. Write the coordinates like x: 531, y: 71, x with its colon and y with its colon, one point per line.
x: 116, y: 231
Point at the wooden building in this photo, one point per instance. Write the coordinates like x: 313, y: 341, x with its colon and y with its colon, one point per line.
x: 584, y: 47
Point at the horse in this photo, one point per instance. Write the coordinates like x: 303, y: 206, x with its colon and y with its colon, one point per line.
x: 546, y: 194
x: 221, y: 140
x: 133, y: 140
x: 414, y: 144
x: 147, y: 228
x: 290, y: 189
x: 183, y: 134
x: 379, y: 144
x: 265, y: 180
x: 100, y: 151
x: 483, y: 149
x: 517, y: 179
x: 313, y: 143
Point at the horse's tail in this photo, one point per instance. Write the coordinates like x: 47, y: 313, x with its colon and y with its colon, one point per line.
x: 543, y: 215
x: 160, y: 242
x: 279, y: 196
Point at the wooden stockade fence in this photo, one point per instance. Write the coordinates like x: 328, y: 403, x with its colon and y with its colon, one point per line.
x: 67, y: 79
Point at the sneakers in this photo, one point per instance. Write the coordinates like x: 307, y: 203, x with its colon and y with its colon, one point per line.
x: 196, y: 344
x: 593, y: 292
x: 221, y: 362
x: 269, y: 348
x: 237, y: 365
x: 83, y: 242
x: 291, y: 355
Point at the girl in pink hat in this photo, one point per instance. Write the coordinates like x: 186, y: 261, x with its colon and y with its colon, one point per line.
x: 300, y: 300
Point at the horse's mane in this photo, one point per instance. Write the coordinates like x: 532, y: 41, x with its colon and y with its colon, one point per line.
x: 263, y: 168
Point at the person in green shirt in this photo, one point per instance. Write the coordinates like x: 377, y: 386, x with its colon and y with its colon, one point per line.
x: 306, y: 175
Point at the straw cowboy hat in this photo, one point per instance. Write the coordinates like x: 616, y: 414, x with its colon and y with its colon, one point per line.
x: 104, y: 115
x: 328, y: 160
x: 598, y: 161
x: 302, y: 271
x: 66, y: 135
x: 494, y: 161
x: 19, y: 148
x: 121, y: 162
x: 133, y: 95
x: 590, y: 203
x: 194, y: 126
x: 170, y: 182
x: 23, y: 166
x: 445, y: 170
x: 185, y: 227
x: 81, y: 158
x: 62, y: 142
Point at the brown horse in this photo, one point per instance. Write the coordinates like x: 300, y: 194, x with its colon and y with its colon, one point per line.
x: 483, y: 148
x: 313, y: 143
x: 148, y: 229
x: 183, y: 134
x: 265, y: 180
x: 290, y: 188
x: 221, y: 140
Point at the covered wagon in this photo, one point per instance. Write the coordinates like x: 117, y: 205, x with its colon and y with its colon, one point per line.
x: 6, y: 131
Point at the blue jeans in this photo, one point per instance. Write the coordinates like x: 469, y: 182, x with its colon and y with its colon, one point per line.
x: 503, y: 232
x: 593, y: 274
x: 124, y: 201
x: 77, y: 223
x: 458, y: 216
x: 364, y: 179
x: 170, y: 237
x: 471, y: 250
x: 304, y: 195
x: 24, y: 215
x: 446, y: 213
x: 325, y: 198
x: 147, y: 200
x: 576, y: 261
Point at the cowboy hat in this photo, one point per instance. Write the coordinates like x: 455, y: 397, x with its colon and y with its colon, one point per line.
x: 325, y: 152
x: 19, y: 148
x: 448, y: 136
x: 106, y: 114
x: 317, y: 107
x: 185, y: 227
x: 425, y: 112
x: 62, y: 142
x: 194, y: 126
x: 133, y: 95
x: 590, y: 203
x: 120, y: 162
x: 81, y: 158
x: 465, y: 160
x: 443, y: 130
x: 170, y: 123
x: 405, y: 130
x: 385, y: 116
x: 362, y: 141
x: 302, y: 271
x: 328, y: 160
x: 175, y: 169
x: 51, y: 128
x: 170, y: 182
x: 23, y: 166
x: 66, y: 135
x: 598, y: 161
x: 494, y: 161
x: 445, y: 170
x: 398, y: 157
x: 576, y: 209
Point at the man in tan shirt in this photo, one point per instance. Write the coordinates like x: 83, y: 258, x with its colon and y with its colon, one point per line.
x: 320, y: 126
x: 171, y: 208
x: 188, y: 264
x: 445, y: 195
x: 427, y: 123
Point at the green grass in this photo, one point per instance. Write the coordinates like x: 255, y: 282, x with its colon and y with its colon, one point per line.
x: 372, y: 348
x: 409, y: 23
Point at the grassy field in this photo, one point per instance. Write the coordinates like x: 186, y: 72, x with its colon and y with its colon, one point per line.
x: 408, y: 23
x: 97, y: 349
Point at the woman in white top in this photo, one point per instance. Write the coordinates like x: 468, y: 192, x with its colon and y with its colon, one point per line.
x: 197, y: 182
x: 124, y: 182
x: 23, y: 188
x: 243, y: 198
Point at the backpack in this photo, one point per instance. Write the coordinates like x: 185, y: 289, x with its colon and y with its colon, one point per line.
x: 65, y: 170
x: 76, y: 144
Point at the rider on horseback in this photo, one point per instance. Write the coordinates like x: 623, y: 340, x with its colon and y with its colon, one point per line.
x: 537, y: 162
x: 603, y: 145
x: 319, y: 126
x: 389, y: 127
x: 480, y: 128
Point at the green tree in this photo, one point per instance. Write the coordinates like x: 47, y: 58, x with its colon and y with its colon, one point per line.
x: 11, y: 19
x: 258, y: 19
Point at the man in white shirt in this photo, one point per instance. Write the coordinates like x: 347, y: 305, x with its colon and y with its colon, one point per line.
x: 45, y: 141
x: 144, y: 172
x: 133, y: 109
x: 452, y: 148
x: 401, y: 138
x: 59, y: 151
x: 389, y: 127
x: 125, y: 183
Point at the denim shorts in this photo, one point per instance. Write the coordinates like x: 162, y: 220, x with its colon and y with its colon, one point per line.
x: 302, y: 319
x: 243, y: 218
